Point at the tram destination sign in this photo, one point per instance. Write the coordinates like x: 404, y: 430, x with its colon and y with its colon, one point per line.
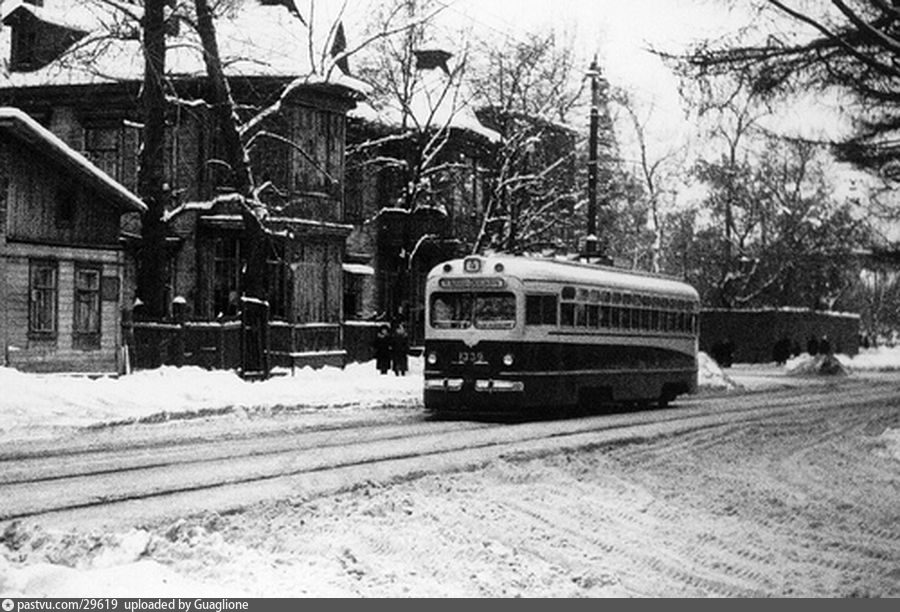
x: 472, y: 283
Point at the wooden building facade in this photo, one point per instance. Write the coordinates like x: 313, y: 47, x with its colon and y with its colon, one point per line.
x: 90, y: 99
x: 62, y: 266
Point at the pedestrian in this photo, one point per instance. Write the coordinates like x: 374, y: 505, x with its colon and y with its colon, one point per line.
x: 812, y: 346
x: 782, y: 350
x: 382, y: 346
x: 400, y: 350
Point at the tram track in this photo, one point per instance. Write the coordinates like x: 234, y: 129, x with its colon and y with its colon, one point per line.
x: 233, y: 471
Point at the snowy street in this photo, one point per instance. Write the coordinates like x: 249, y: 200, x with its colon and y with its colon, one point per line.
x: 784, y: 486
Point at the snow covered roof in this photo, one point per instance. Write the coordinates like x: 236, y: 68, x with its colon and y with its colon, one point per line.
x: 433, y: 104
x: 254, y: 41
x: 79, y: 17
x: 27, y: 129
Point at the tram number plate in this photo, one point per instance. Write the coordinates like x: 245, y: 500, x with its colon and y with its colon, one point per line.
x: 470, y: 357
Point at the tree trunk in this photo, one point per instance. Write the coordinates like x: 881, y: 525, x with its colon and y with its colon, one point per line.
x: 152, y: 260
x: 254, y: 280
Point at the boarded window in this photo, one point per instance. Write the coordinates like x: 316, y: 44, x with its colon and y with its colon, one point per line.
x: 317, y: 290
x: 43, y: 298
x: 318, y: 155
x: 86, y: 325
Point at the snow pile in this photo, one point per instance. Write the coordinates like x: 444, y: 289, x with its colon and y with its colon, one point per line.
x: 879, y: 359
x: 711, y: 376
x: 38, y: 562
x: 826, y: 365
x: 35, y: 405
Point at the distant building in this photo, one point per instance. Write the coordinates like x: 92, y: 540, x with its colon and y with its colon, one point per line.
x: 62, y: 265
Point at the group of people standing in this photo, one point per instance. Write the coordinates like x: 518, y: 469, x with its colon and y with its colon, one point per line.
x: 392, y: 349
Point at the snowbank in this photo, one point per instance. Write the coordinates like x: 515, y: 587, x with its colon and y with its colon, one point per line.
x: 39, y: 405
x: 711, y: 376
x: 34, y: 405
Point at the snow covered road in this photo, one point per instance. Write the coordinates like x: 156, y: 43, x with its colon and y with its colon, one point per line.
x: 788, y: 488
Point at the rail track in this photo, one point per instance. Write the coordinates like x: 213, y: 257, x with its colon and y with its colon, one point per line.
x: 151, y: 478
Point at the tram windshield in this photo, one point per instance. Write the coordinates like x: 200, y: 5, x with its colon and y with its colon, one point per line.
x: 481, y: 310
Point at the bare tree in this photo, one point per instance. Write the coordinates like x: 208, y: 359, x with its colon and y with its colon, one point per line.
x: 419, y: 95
x: 658, y: 167
x: 529, y: 90
x: 837, y: 47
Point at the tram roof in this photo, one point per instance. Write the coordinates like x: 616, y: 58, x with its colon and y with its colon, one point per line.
x: 562, y: 271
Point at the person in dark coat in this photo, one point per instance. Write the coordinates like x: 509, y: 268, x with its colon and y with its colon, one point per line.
x: 400, y: 350
x: 782, y: 350
x: 382, y: 346
x: 812, y: 346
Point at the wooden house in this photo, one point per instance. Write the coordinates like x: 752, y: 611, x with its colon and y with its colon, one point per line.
x: 61, y: 261
x: 88, y: 95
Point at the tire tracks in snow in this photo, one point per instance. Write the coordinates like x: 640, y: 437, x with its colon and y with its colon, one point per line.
x: 219, y: 473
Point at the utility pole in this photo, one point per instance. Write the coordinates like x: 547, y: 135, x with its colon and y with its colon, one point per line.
x: 594, y: 247
x: 591, y: 243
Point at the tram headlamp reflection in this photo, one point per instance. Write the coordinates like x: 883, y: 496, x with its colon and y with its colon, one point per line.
x: 508, y: 359
x: 431, y: 358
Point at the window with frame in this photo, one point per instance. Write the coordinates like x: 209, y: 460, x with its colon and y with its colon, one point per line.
x: 226, y: 276
x: 481, y: 310
x: 86, y: 325
x: 279, y: 293
x: 101, y: 146
x: 43, y: 281
x: 25, y: 46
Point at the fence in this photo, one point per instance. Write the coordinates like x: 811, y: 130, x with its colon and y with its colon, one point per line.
x: 215, y: 345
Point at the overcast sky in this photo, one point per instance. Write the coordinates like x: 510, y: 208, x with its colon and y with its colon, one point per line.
x: 619, y: 31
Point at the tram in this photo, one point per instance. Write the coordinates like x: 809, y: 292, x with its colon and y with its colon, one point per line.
x: 506, y: 334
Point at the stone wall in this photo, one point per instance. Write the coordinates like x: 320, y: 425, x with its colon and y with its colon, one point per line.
x: 753, y: 334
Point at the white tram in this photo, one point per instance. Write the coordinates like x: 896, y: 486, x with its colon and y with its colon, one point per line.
x: 506, y: 333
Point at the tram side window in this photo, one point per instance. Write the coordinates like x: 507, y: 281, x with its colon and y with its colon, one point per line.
x: 580, y: 315
x: 540, y: 309
x: 593, y: 315
x: 605, y: 316
x: 567, y: 314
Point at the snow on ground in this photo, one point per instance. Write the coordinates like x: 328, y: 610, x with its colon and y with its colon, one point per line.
x: 42, y: 405
x: 204, y: 556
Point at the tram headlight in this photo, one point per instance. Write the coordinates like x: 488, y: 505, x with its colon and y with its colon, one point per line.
x: 431, y: 358
x: 508, y: 359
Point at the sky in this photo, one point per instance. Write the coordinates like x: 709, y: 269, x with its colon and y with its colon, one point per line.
x: 618, y: 32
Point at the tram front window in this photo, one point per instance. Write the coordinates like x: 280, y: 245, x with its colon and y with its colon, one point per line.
x: 481, y: 310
